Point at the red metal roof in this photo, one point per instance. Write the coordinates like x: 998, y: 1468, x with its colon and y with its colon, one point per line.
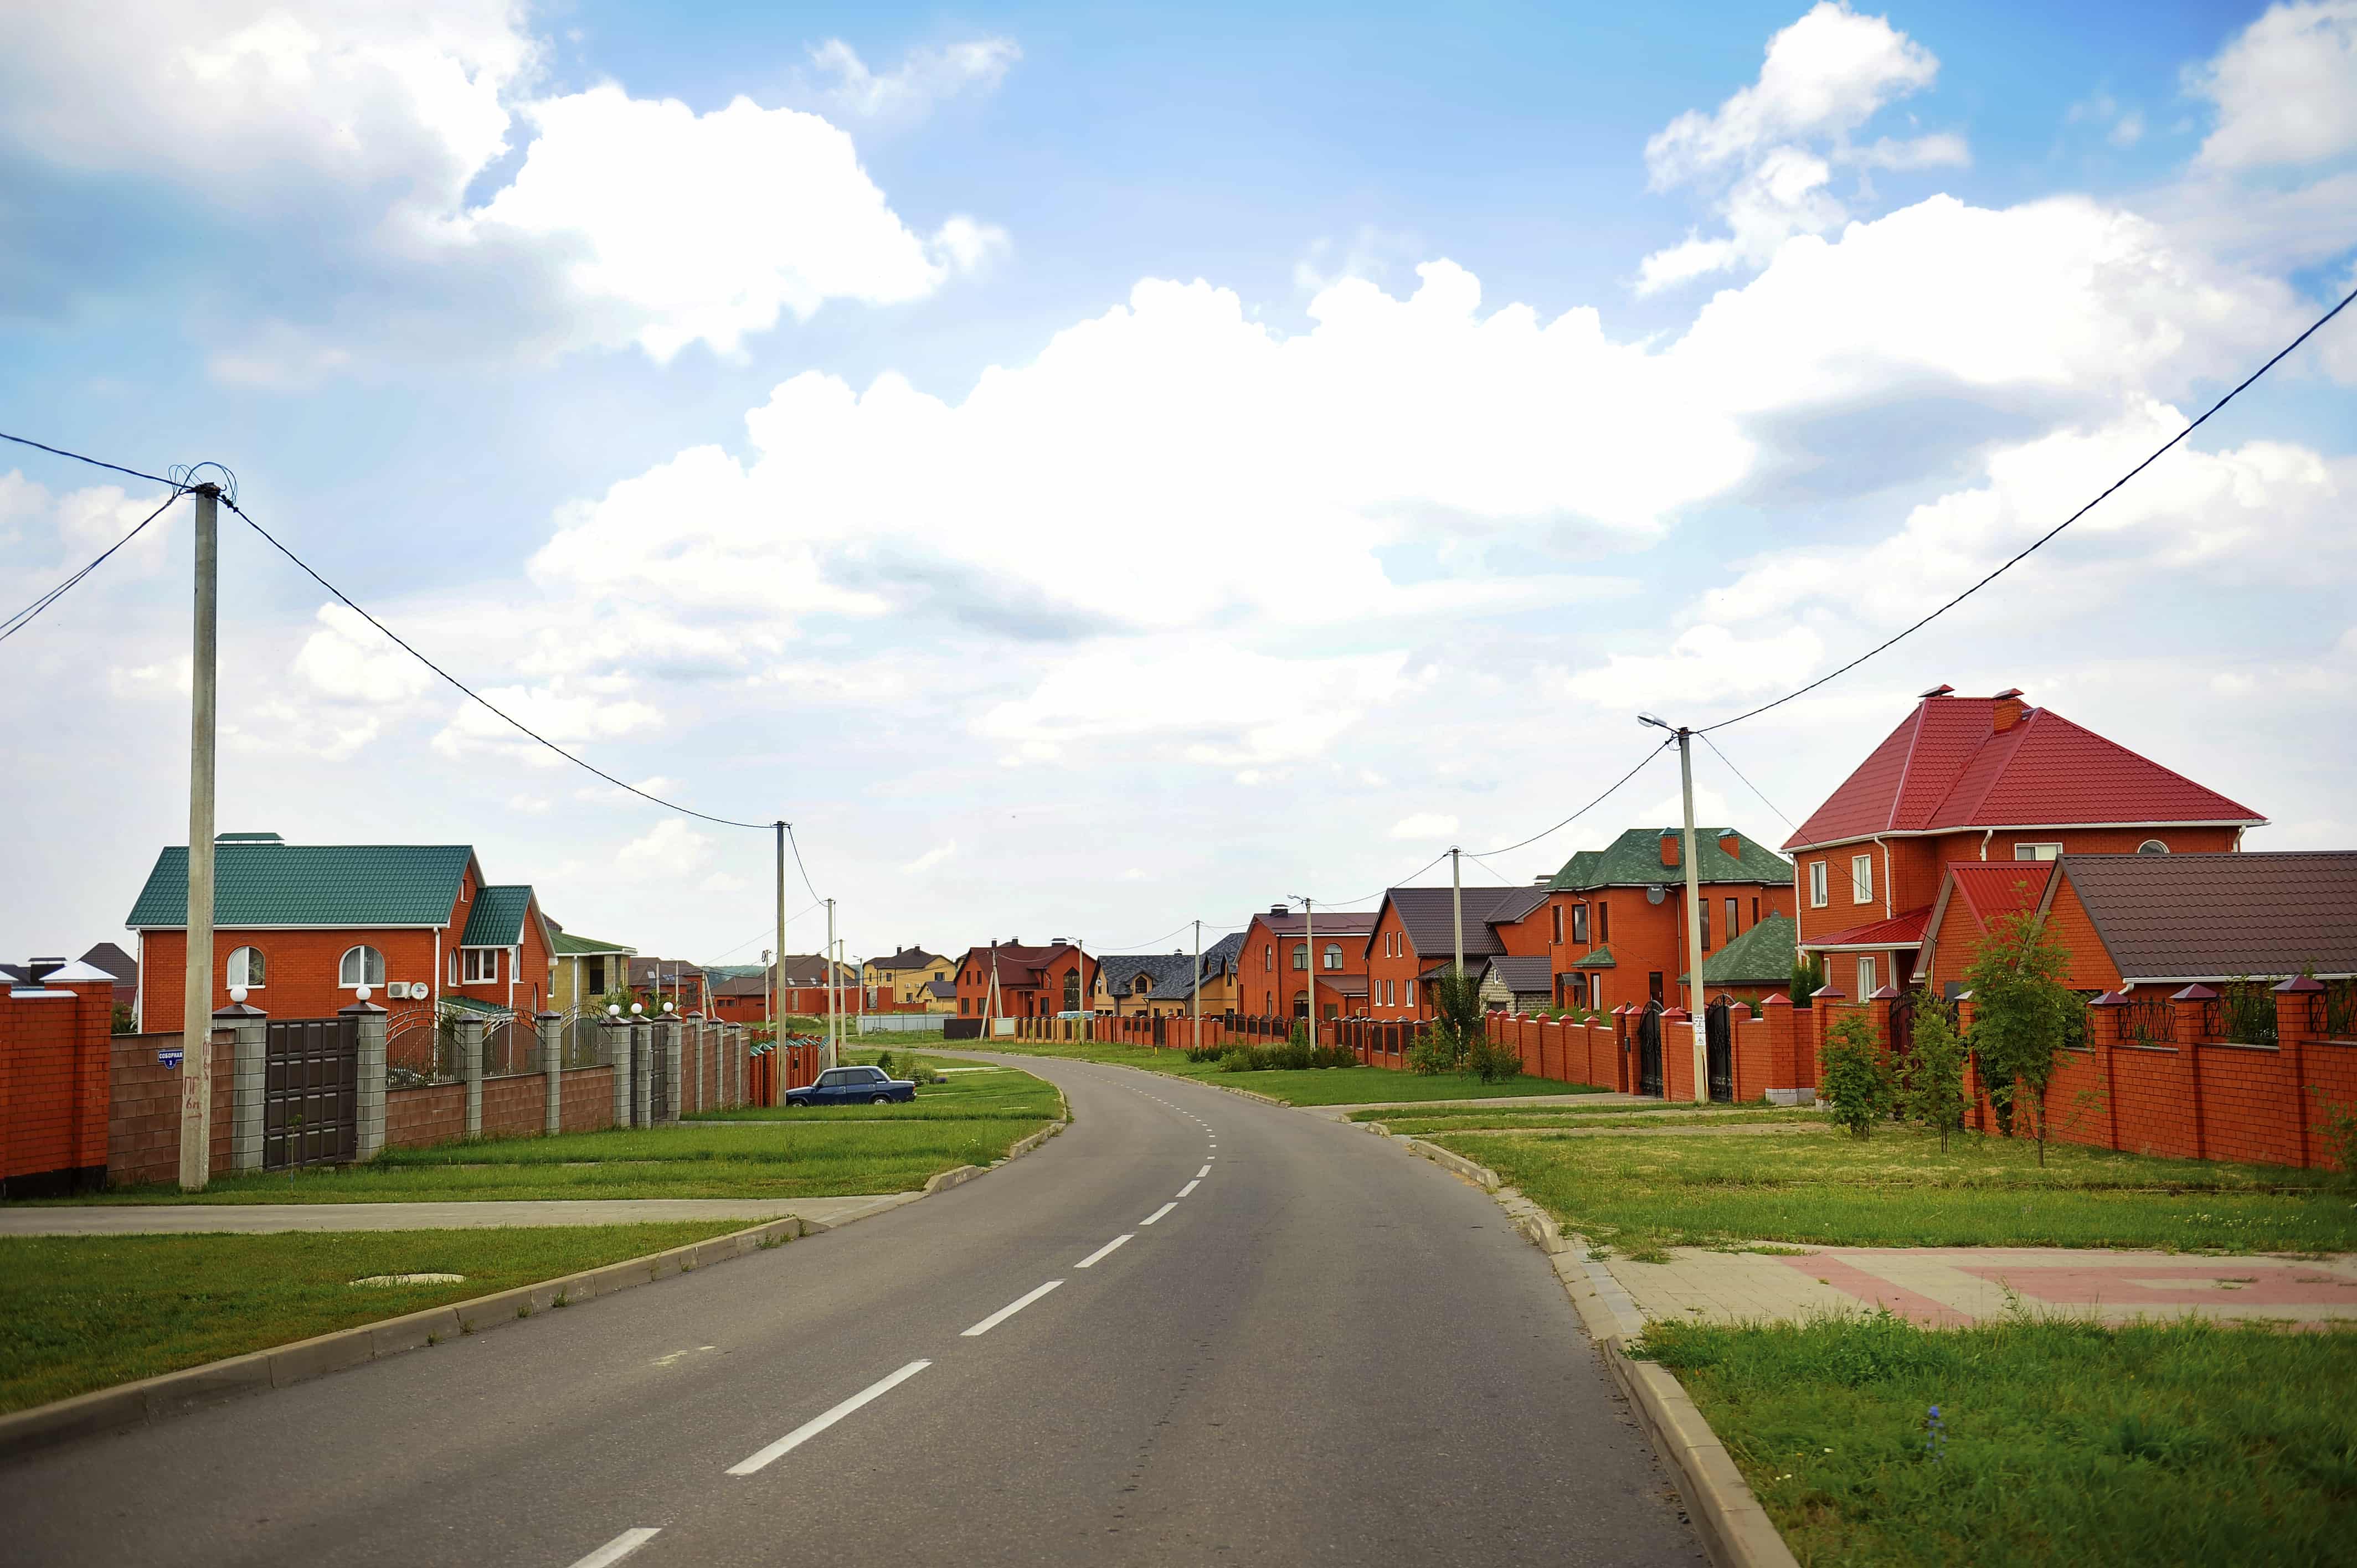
x: 1948, y: 768
x: 1993, y: 887
x: 1898, y: 931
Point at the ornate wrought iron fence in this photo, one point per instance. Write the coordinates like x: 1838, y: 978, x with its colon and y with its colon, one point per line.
x: 584, y: 1039
x: 2247, y: 1013
x: 499, y: 1052
x: 2333, y: 1011
x: 412, y: 1046
x: 2149, y: 1021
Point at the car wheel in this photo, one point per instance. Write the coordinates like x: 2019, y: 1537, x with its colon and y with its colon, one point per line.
x: 879, y: 1100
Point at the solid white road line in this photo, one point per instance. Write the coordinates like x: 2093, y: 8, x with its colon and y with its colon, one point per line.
x: 1191, y: 1187
x: 1099, y: 1255
x: 1204, y: 1171
x: 816, y: 1424
x: 621, y: 1546
x: 1157, y: 1214
x: 1009, y: 1310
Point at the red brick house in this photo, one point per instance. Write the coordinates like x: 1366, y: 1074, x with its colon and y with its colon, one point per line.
x: 298, y: 927
x: 1274, y: 965
x: 1978, y: 779
x: 1413, y: 940
x: 1031, y: 980
x: 1614, y: 923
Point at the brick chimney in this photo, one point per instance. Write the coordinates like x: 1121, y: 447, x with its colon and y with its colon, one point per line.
x: 1731, y: 845
x: 1669, y: 846
x: 2008, y: 709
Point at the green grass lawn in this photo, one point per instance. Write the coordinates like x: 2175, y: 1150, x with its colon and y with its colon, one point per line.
x: 1321, y: 1086
x: 965, y: 1094
x: 87, y: 1312
x: 1643, y: 1110
x: 1897, y: 1190
x: 2065, y: 1443
x: 1414, y: 1122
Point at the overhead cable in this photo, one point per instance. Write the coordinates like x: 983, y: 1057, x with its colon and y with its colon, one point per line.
x: 24, y: 617
x: 1609, y: 791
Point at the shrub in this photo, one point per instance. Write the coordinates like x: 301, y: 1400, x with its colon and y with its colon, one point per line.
x: 1241, y: 1058
x: 884, y: 1061
x: 2021, y: 1016
x: 124, y: 1023
x: 1432, y: 1054
x: 1934, y: 1091
x: 1492, y: 1061
x: 1854, y: 1076
x: 2338, y: 1128
x: 1808, y: 978
x: 1332, y: 1055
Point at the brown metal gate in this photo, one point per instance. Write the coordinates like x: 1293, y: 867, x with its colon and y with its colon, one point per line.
x: 1718, y: 1049
x: 1649, y: 1050
x: 310, y: 1091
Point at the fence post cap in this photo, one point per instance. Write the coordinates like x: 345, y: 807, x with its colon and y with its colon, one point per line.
x: 239, y: 1010
x: 1775, y: 999
x: 1829, y: 994
x: 1675, y: 1016
x: 1888, y: 994
x: 2196, y: 993
x: 359, y: 1008
x: 2109, y: 999
x: 547, y: 1016
x: 2301, y: 982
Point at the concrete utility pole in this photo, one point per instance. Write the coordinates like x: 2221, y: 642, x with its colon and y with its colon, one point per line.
x: 1195, y: 1002
x: 778, y: 972
x: 1310, y: 965
x: 1088, y: 995
x: 826, y: 962
x: 1457, y: 908
x: 1695, y: 1019
x: 197, y: 1003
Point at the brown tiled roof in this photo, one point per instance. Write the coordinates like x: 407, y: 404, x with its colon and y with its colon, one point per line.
x: 1328, y: 922
x: 1425, y: 912
x: 1523, y: 975
x: 2220, y: 917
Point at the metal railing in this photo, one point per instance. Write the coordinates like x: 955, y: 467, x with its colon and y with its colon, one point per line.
x: 2149, y: 1021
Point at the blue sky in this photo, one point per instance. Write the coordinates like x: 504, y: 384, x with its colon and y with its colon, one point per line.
x: 1097, y: 468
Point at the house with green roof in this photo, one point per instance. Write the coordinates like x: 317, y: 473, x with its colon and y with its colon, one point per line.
x: 1755, y: 965
x: 586, y: 967
x: 300, y: 931
x: 1617, y: 914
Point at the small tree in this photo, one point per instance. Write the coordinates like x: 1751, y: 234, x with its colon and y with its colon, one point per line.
x: 1854, y: 1076
x: 2021, y: 1016
x: 1808, y: 978
x: 1934, y: 1093
x: 126, y: 1022
x: 1456, y: 1009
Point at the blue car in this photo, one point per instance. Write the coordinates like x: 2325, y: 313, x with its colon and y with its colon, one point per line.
x: 853, y: 1086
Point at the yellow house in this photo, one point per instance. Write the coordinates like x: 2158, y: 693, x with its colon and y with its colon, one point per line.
x: 908, y: 980
x: 585, y: 969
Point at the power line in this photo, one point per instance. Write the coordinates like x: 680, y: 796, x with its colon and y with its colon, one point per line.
x: 24, y: 617
x: 2014, y: 560
x: 93, y: 462
x: 756, y: 936
x: 1608, y: 792
x: 1747, y: 783
x: 469, y: 691
x: 795, y: 845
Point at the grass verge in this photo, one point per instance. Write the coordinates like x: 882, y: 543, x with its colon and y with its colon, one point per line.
x: 965, y: 1095
x: 2059, y: 1442
x: 88, y: 1312
x: 1413, y: 1122
x: 1898, y: 1189
x: 1318, y: 1086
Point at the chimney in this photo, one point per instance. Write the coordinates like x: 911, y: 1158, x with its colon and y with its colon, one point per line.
x: 2008, y: 709
x: 1278, y: 909
x: 1669, y: 846
x: 1729, y: 844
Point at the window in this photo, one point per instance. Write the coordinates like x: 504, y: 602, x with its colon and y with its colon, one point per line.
x: 1410, y: 993
x: 245, y: 968
x: 2035, y: 851
x: 1701, y: 908
x: 1816, y: 884
x: 2152, y: 846
x: 1302, y: 956
x: 1558, y: 925
x: 454, y: 966
x: 1861, y: 879
x: 1268, y: 956
x: 1333, y: 957
x: 1866, y: 984
x: 1654, y: 984
x: 483, y: 966
x: 1578, y: 924
x: 1603, y: 922
x: 1734, y: 906
x: 362, y: 966
x: 1755, y: 909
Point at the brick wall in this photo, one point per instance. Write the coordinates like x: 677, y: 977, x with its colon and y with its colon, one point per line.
x: 300, y: 970
x: 143, y: 1121
x: 53, y: 1088
x: 515, y: 1106
x: 586, y: 1103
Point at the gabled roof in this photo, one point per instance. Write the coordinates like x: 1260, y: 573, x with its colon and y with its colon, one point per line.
x: 115, y: 961
x: 1904, y: 930
x: 908, y: 958
x: 1947, y: 767
x: 1981, y: 890
x: 270, y: 884
x: 453, y: 1002
x: 1634, y: 860
x: 1426, y: 914
x: 1762, y: 955
x: 1167, y: 974
x: 568, y: 945
x: 1327, y: 922
x: 653, y: 970
x: 2219, y: 916
x: 1521, y: 975
x: 496, y: 919
x: 942, y: 989
x: 1220, y: 957
x: 1601, y: 958
x: 1509, y: 910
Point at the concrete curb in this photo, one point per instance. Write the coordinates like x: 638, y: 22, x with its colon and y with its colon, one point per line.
x: 1735, y: 1529
x: 168, y: 1394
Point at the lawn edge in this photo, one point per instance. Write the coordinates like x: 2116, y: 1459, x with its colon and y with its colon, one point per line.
x: 1727, y: 1514
x: 148, y: 1401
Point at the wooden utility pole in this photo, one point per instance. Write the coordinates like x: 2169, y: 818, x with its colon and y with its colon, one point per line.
x: 197, y: 1001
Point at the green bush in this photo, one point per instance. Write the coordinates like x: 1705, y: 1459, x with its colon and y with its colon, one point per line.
x: 1934, y: 1091
x: 1808, y: 978
x: 1492, y: 1061
x: 1432, y: 1054
x: 1854, y: 1076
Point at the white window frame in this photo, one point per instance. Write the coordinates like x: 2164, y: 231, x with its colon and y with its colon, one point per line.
x: 1301, y: 957
x: 1868, y: 980
x: 1820, y: 893
x: 344, y: 966
x: 454, y: 966
x: 482, y: 966
x: 236, y: 973
x: 1410, y: 993
x: 2029, y: 851
x: 1331, y: 958
x: 1861, y: 878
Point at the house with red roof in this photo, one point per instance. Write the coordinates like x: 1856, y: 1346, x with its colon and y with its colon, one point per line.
x: 1977, y: 780
x: 1017, y: 980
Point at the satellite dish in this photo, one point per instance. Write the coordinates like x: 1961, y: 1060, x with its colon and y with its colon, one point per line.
x: 1655, y: 894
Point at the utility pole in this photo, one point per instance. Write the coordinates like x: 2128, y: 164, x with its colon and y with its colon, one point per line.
x: 1457, y: 908
x: 1195, y: 1002
x: 197, y: 1003
x: 1694, y: 1020
x: 826, y: 961
x: 778, y: 971
x: 1088, y: 995
x: 1310, y: 965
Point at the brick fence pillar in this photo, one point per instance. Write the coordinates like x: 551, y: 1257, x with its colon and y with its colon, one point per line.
x: 550, y: 1028
x: 642, y: 1073
x: 2102, y: 1038
x: 2192, y: 1006
x: 667, y: 1062
x: 696, y: 1045
x: 618, y: 1057
x: 247, y: 1031
x: 369, y: 1019
x: 2294, y: 1026
x: 469, y: 1031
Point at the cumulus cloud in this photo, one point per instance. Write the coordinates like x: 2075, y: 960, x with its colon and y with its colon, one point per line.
x: 670, y: 848
x: 1425, y: 825
x: 348, y: 660
x: 562, y: 714
x: 72, y: 526
x: 2285, y: 89
x: 1769, y: 153
x: 922, y: 78
x: 930, y: 859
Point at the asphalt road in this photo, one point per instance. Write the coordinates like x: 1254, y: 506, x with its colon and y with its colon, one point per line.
x: 1325, y: 1351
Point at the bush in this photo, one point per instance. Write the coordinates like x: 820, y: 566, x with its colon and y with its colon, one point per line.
x: 1808, y: 978
x: 1241, y: 1058
x: 1332, y: 1055
x: 1432, y: 1054
x: 1933, y: 1092
x: 1854, y: 1076
x: 1492, y: 1061
x: 884, y: 1062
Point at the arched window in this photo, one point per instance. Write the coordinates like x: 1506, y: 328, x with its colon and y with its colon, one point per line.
x: 362, y: 966
x: 1333, y: 959
x: 1268, y: 956
x: 1302, y: 956
x: 2152, y: 846
x: 245, y: 968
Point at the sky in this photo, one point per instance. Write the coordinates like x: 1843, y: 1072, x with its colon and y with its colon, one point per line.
x: 1097, y: 469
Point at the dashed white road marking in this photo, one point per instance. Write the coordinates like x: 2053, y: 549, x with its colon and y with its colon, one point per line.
x: 1159, y: 1213
x: 621, y: 1546
x: 816, y: 1424
x: 1191, y: 1187
x: 1099, y: 1255
x: 1009, y: 1310
x: 1204, y: 1171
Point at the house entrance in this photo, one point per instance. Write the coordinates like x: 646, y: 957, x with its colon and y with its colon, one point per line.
x: 310, y: 1096
x: 1649, y: 1050
x: 1718, y: 1048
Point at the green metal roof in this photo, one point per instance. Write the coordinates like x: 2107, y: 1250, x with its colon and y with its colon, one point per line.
x: 733, y: 971
x: 266, y: 883
x: 1634, y: 860
x: 497, y: 918
x: 1601, y: 959
x: 1761, y: 956
x: 453, y: 1003
x: 570, y: 946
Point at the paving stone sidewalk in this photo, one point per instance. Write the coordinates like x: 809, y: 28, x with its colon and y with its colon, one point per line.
x: 1952, y: 1286
x: 186, y: 1218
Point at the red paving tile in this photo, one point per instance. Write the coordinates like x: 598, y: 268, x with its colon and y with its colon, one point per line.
x: 1856, y: 1282
x: 2142, y: 1284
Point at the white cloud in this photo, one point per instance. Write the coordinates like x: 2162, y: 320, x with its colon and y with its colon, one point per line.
x: 170, y: 677
x: 924, y: 76
x: 930, y: 859
x: 527, y: 805
x: 607, y: 794
x: 556, y: 711
x: 350, y: 661
x: 2285, y: 88
x: 78, y: 524
x: 1425, y: 825
x: 670, y: 849
x: 1704, y: 662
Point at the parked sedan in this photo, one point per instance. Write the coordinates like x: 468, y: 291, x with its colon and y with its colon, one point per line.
x: 853, y: 1086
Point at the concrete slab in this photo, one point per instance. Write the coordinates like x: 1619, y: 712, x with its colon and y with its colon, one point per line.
x: 262, y: 1218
